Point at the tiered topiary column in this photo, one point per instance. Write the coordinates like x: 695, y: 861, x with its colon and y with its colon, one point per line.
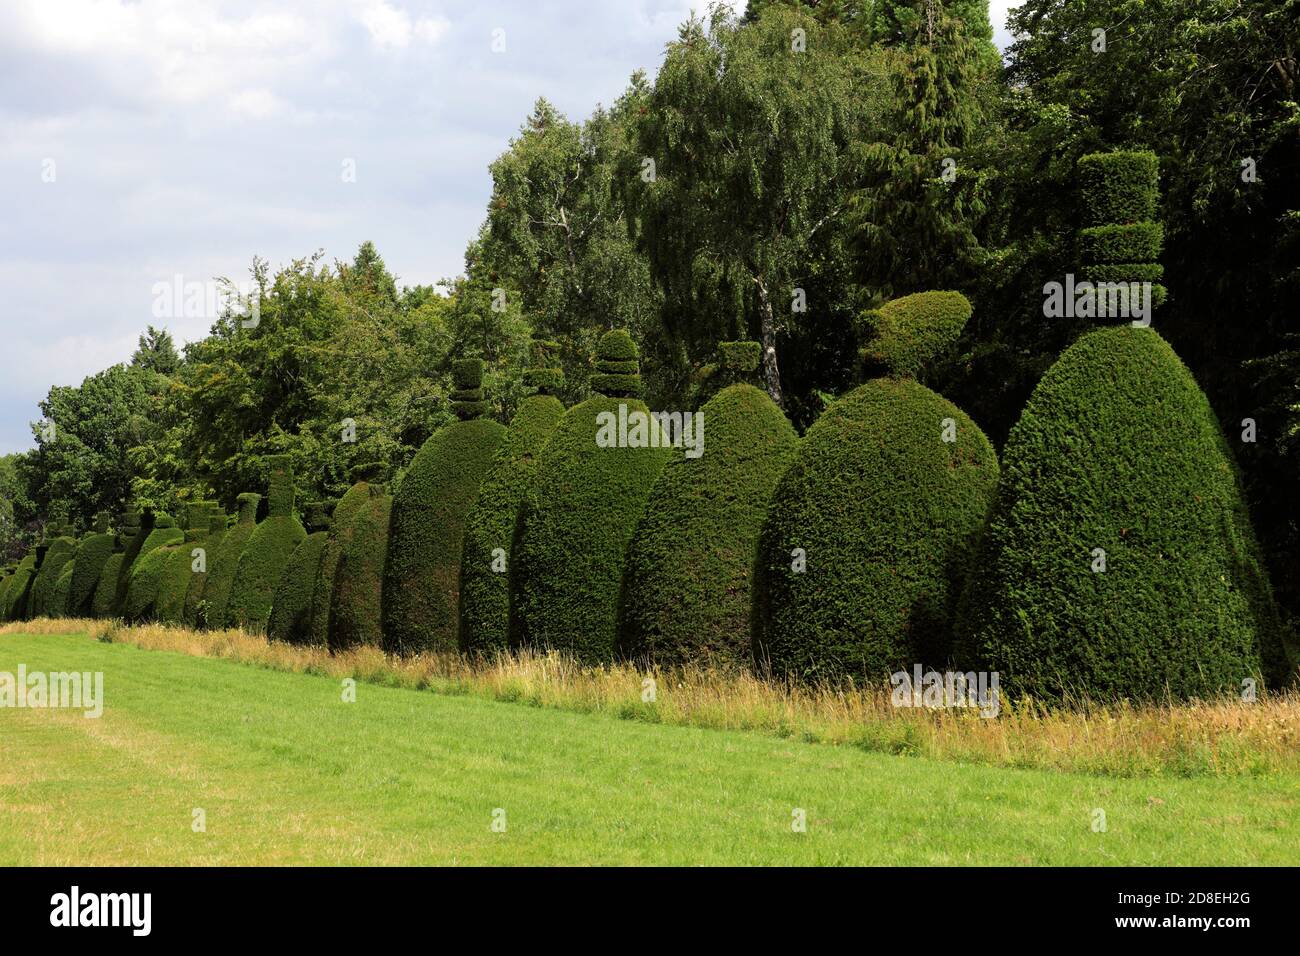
x: 421, y: 592
x: 490, y: 526
x: 267, y: 553
x: 580, y: 512
x: 1121, y: 242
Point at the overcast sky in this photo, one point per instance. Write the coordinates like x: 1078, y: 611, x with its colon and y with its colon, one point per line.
x: 141, y: 140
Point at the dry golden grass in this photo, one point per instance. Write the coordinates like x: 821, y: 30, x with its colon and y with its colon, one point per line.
x: 1222, y: 738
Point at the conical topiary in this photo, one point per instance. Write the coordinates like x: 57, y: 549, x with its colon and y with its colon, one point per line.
x: 580, y: 511
x: 354, y: 499
x: 221, y: 569
x: 267, y: 553
x: 490, y: 526
x: 291, y: 606
x: 357, y: 613
x: 1119, y: 559
x: 687, y: 592
x: 869, y: 533
x: 421, y: 596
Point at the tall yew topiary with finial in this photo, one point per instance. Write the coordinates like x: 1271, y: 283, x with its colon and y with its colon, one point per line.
x: 218, y: 525
x: 267, y: 553
x: 687, y: 591
x: 138, y: 526
x: 1121, y: 241
x: 580, y: 512
x: 88, y: 565
x: 147, y: 571
x: 356, y: 615
x: 870, y: 530
x: 221, y: 570
x: 179, y: 564
x: 421, y: 592
x: 490, y: 526
x: 1120, y: 561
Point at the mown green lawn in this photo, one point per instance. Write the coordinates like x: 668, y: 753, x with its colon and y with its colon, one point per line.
x: 286, y: 772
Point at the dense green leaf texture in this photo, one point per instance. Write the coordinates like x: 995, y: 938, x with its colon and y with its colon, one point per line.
x: 687, y: 587
x: 101, y: 604
x: 422, y: 581
x: 484, y: 582
x: 87, y: 567
x: 263, y: 560
x: 15, y: 608
x: 576, y: 522
x: 291, y: 606
x: 887, y: 514
x: 62, y: 551
x: 353, y: 501
x: 146, y: 578
x: 357, y: 615
x: 223, y: 564
x: 911, y: 331
x: 1118, y: 449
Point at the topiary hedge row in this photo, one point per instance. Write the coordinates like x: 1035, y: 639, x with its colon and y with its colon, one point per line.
x: 147, y: 572
x: 223, y: 564
x: 88, y: 566
x: 291, y: 607
x: 353, y: 500
x: 357, y: 613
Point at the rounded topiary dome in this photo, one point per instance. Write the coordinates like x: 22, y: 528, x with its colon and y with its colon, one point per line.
x: 869, y: 534
x: 267, y: 553
x: 356, y: 615
x: 422, y: 582
x: 225, y: 560
x: 490, y: 525
x: 353, y: 501
x: 60, y: 552
x: 579, y: 515
x: 908, y: 332
x: 687, y: 592
x: 1119, y: 559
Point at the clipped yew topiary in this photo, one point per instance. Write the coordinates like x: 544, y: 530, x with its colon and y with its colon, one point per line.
x: 267, y: 553
x: 1119, y: 559
x: 147, y: 572
x: 58, y: 606
x: 136, y: 528
x: 322, y: 598
x: 88, y: 566
x: 490, y: 526
x: 218, y: 525
x: 101, y: 604
x: 291, y: 606
x: 422, y: 581
x: 15, y: 608
x: 580, y: 512
x: 223, y: 563
x: 62, y: 549
x: 687, y: 591
x: 870, y: 531
x: 357, y: 611
x: 1120, y: 243
x: 178, y: 571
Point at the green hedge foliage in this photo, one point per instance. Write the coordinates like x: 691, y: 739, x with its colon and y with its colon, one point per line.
x: 616, y: 365
x: 490, y: 524
x: 357, y: 614
x: 223, y: 564
x: 266, y: 555
x: 101, y: 604
x: 136, y: 529
x: 353, y: 500
x: 1130, y: 242
x: 291, y: 605
x: 218, y: 525
x: 60, y: 552
x: 87, y: 569
x: 422, y: 582
x: 58, y: 606
x: 1118, y: 449
x: 577, y: 519
x: 907, y: 333
x: 1119, y: 187
x: 886, y: 514
x: 147, y: 572
x: 687, y: 586
x: 15, y: 608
